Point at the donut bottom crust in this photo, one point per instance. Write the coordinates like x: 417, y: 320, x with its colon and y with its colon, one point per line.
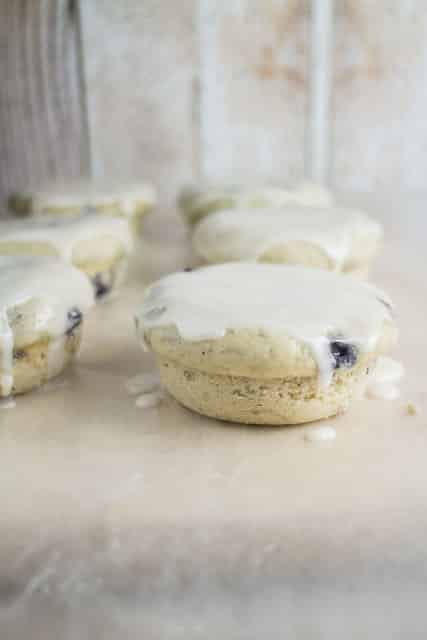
x: 263, y: 401
x: 33, y: 365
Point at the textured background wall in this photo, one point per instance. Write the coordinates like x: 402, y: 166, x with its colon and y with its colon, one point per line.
x: 175, y: 91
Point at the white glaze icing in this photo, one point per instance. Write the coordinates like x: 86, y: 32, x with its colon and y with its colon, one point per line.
x: 56, y: 356
x: 142, y: 383
x: 310, y: 305
x: 382, y: 391
x: 149, y: 400
x: 64, y: 235
x: 6, y: 341
x: 385, y: 376
x: 325, y: 433
x: 303, y: 194
x: 246, y: 234
x: 53, y: 287
x: 82, y: 193
x: 387, y: 370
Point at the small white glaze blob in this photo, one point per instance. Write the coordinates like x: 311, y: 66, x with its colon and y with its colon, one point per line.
x: 388, y: 370
x: 382, y: 391
x: 150, y: 399
x: 384, y: 379
x: 142, y: 383
x: 325, y: 433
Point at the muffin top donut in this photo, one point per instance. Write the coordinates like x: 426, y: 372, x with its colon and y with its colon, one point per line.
x: 73, y: 195
x: 265, y: 320
x: 75, y: 239
x: 334, y: 238
x: 40, y: 297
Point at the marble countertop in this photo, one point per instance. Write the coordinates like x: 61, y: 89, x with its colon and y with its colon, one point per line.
x: 117, y: 521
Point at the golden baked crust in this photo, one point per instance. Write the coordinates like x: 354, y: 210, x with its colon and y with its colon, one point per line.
x: 274, y: 401
x: 249, y: 352
x: 31, y: 363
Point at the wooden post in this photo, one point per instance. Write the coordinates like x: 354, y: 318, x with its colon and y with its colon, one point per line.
x: 318, y: 150
x: 43, y: 130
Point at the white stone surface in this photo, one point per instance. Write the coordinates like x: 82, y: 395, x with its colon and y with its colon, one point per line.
x: 117, y: 522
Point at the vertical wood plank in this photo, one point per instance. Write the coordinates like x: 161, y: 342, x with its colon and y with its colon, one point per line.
x: 253, y: 88
x: 43, y: 131
x: 139, y: 61
x: 380, y: 94
x: 318, y: 139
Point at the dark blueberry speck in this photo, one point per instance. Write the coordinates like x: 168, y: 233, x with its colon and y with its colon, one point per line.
x: 74, y: 318
x: 101, y: 289
x: 344, y: 354
x: 188, y: 269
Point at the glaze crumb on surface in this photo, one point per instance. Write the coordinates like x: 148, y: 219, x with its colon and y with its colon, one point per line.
x: 412, y: 409
x: 325, y: 433
x: 383, y: 391
x: 385, y: 377
x: 142, y: 383
x: 150, y: 400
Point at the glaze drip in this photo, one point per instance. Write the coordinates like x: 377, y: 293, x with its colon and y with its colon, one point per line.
x: 306, y: 304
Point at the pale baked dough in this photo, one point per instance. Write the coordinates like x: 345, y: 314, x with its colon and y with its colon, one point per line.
x: 119, y: 199
x: 271, y: 401
x: 250, y: 377
x: 31, y: 362
x: 251, y: 352
x: 225, y: 352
